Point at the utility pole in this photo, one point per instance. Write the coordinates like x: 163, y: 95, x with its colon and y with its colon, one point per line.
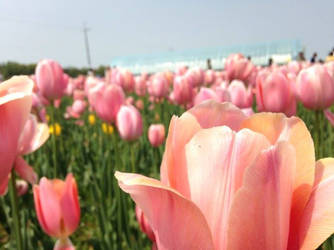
x: 85, y: 30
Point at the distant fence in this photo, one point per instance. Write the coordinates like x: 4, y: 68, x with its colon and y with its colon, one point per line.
x: 279, y: 51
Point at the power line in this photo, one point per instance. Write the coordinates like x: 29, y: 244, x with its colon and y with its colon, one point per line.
x: 38, y: 22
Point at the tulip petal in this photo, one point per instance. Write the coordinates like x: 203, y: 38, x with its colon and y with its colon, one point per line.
x: 4, y: 186
x: 25, y: 171
x: 276, y: 127
x: 49, y: 207
x: 211, y: 113
x: 176, y: 221
x: 317, y: 222
x: 37, y: 139
x: 259, y: 217
x: 70, y: 205
x: 14, y: 110
x: 205, y: 115
x: 173, y: 171
x: 38, y: 208
x: 17, y: 84
x: 216, y: 160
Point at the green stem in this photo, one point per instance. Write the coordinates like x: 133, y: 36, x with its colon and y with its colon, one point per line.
x: 318, y: 134
x: 54, y: 145
x: 15, y: 211
x: 155, y: 162
x: 133, y: 158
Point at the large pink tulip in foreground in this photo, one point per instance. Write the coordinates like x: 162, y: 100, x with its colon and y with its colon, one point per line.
x: 234, y: 182
x: 57, y: 208
x: 15, y: 105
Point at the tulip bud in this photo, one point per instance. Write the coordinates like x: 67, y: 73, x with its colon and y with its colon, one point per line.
x: 315, y: 87
x: 156, y: 134
x: 129, y: 123
x: 107, y: 100
x: 51, y: 80
x: 57, y: 208
x: 21, y: 187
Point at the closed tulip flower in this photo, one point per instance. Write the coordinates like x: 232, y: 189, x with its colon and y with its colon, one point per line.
x: 125, y: 79
x: 140, y: 85
x: 51, y: 80
x: 156, y: 134
x: 15, y: 105
x: 205, y: 94
x: 209, y: 77
x: 182, y: 90
x: 129, y: 123
x: 107, y: 100
x: 240, y: 96
x: 57, y: 208
x: 275, y: 93
x: 158, y: 86
x: 238, y: 67
x: 232, y: 182
x: 315, y: 87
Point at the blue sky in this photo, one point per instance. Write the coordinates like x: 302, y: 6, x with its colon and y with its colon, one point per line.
x: 36, y: 29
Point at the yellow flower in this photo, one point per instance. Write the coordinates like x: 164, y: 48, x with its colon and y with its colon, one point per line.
x: 91, y: 119
x: 107, y: 128
x: 55, y: 129
x: 47, y: 118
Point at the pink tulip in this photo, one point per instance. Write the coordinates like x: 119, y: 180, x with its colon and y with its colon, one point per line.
x: 223, y: 94
x: 240, y: 96
x: 70, y: 88
x: 238, y: 67
x: 315, y: 87
x: 78, y: 94
x: 181, y: 70
x: 158, y: 87
x: 232, y: 182
x: 129, y: 123
x: 294, y: 67
x: 140, y: 85
x: 195, y: 76
x: 182, y: 90
x: 51, y: 79
x: 77, y: 108
x: 275, y: 93
x: 56, y: 103
x: 129, y: 100
x: 209, y: 77
x: 21, y: 187
x: 125, y: 79
x: 57, y: 208
x: 140, y: 104
x: 156, y: 134
x: 205, y: 94
x: 15, y: 105
x: 107, y: 100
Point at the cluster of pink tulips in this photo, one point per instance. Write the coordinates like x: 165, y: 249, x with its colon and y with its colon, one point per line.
x: 240, y: 169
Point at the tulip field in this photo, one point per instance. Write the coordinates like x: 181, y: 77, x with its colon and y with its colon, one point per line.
x: 239, y: 158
